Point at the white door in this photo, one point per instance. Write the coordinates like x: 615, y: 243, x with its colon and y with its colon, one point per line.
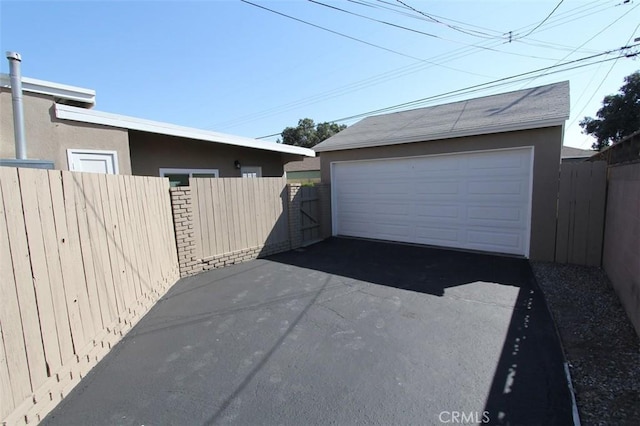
x: 478, y: 200
x: 93, y: 161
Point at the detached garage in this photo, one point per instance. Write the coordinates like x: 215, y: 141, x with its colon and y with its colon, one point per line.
x: 480, y: 174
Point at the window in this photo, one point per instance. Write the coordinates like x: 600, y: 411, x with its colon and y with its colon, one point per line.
x: 93, y: 161
x: 180, y: 177
x: 251, y: 171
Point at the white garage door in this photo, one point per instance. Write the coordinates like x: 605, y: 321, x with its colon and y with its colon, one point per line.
x: 478, y: 200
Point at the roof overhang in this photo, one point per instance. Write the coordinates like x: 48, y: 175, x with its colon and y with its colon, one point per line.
x: 485, y: 130
x: 60, y: 92
x: 66, y: 112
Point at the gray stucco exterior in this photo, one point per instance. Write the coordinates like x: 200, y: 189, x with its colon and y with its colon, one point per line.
x: 48, y: 138
x: 150, y: 152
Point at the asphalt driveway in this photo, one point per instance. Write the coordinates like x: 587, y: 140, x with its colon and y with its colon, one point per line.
x: 342, y: 332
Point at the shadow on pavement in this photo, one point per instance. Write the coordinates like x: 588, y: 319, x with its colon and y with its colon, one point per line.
x: 529, y: 385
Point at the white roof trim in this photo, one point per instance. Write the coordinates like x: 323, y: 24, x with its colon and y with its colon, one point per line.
x: 451, y: 135
x: 66, y: 112
x: 57, y: 90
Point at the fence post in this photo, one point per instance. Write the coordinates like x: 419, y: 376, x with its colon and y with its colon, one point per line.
x: 182, y: 208
x: 324, y: 196
x: 295, y: 234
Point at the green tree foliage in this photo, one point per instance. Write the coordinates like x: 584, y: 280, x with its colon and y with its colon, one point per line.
x: 619, y: 115
x: 307, y: 134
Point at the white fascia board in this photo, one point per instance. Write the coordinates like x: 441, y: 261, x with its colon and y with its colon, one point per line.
x: 66, y: 112
x: 57, y: 90
x: 556, y: 121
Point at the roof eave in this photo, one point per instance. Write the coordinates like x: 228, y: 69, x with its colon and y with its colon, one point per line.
x: 549, y: 122
x: 65, y: 112
x: 57, y: 90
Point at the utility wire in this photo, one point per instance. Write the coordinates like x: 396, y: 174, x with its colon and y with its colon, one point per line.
x: 482, y: 86
x: 544, y: 20
x: 373, y: 19
x: 453, y: 27
x: 423, y: 33
x: 393, y: 74
x: 497, y: 34
x: 603, y: 79
x: 331, y: 31
x: 610, y: 25
x: 357, y: 39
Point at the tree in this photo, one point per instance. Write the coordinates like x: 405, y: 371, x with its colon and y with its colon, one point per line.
x: 619, y: 115
x: 307, y: 134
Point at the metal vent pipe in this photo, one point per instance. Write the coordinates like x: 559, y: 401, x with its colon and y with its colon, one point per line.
x: 16, y: 99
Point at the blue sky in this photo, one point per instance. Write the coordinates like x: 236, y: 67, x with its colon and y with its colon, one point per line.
x: 235, y: 68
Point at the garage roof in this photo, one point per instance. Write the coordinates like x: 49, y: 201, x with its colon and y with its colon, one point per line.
x: 532, y: 108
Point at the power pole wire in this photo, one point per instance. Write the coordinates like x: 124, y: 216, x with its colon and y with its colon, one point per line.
x: 543, y: 21
x: 358, y: 40
x: 492, y: 84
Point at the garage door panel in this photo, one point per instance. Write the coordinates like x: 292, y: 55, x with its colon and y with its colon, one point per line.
x: 431, y: 211
x: 497, y: 213
x: 393, y: 209
x: 441, y: 188
x: 495, y: 187
x: 479, y: 201
x: 392, y: 188
x: 504, y: 162
x: 432, y: 235
x: 501, y: 241
x: 393, y: 231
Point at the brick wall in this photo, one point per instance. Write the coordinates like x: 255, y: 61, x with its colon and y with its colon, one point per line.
x: 191, y: 263
x: 183, y: 224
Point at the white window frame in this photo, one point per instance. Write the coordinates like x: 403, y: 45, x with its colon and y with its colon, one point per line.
x: 189, y: 172
x: 251, y: 169
x: 74, y: 151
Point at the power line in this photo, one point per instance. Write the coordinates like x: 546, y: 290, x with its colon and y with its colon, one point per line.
x: 368, y: 82
x: 558, y: 20
x: 601, y: 82
x: 453, y: 27
x: 331, y: 31
x: 386, y: 76
x: 597, y: 34
x: 544, y: 20
x: 421, y: 32
x: 482, y: 86
x: 373, y: 19
x: 498, y: 34
x: 357, y: 39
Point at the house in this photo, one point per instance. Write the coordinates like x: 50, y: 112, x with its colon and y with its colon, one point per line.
x: 480, y: 174
x: 61, y: 125
x: 305, y: 171
x: 570, y: 154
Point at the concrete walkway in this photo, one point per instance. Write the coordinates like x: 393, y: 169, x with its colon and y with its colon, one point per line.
x: 343, y: 332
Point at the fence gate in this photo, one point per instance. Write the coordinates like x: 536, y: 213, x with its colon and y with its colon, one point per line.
x: 581, y: 208
x: 309, y: 214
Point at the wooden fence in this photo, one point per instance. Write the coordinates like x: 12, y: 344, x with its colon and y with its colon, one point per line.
x: 233, y: 215
x: 83, y: 257
x: 581, y: 209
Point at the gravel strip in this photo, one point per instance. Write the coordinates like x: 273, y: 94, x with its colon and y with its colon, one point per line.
x: 600, y: 344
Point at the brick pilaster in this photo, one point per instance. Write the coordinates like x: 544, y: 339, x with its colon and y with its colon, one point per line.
x: 182, y: 207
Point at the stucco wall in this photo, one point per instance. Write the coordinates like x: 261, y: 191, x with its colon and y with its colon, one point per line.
x: 49, y: 138
x: 547, y: 143
x: 150, y: 152
x: 621, y: 253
